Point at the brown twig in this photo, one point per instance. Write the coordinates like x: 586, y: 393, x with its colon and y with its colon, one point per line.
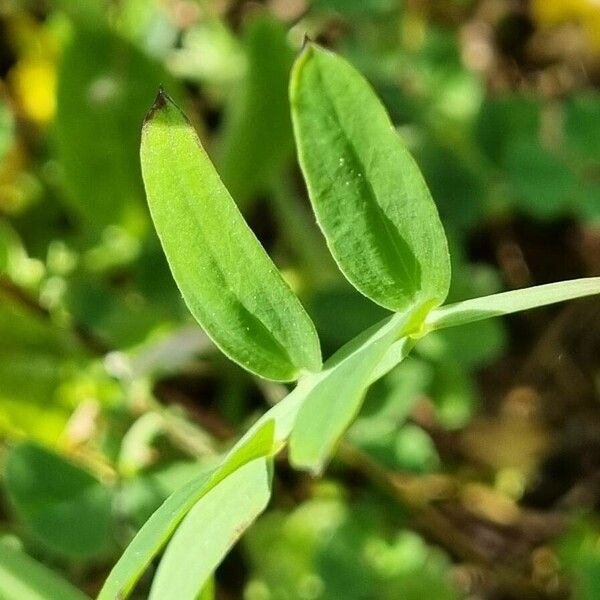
x: 17, y: 294
x: 433, y: 524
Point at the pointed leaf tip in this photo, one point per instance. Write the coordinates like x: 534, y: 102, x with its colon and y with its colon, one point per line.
x: 161, y: 100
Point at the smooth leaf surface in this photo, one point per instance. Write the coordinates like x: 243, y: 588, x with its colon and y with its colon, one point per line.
x: 23, y: 578
x: 368, y: 194
x: 61, y: 504
x: 208, y: 591
x: 209, y: 530
x: 506, y: 303
x: 228, y: 281
x: 334, y: 396
x: 155, y: 533
x: 394, y: 355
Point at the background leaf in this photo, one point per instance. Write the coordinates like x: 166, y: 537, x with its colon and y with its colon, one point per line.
x: 257, y: 137
x: 35, y: 359
x: 6, y: 128
x: 105, y: 85
x: 23, y: 578
x: 334, y: 545
x: 62, y: 505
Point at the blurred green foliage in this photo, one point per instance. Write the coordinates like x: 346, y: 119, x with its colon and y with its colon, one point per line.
x: 69, y: 511
x: 110, y: 399
x: 331, y: 548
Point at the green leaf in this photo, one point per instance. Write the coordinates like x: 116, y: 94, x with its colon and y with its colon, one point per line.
x: 543, y: 184
x: 62, y: 505
x: 258, y: 138
x: 208, y: 591
x: 23, y: 578
x: 149, y: 541
x: 91, y: 13
x: 139, y: 496
x: 415, y: 450
x: 209, y: 530
x: 333, y: 397
x: 453, y: 394
x: 6, y: 128
x: 370, y: 199
x: 340, y: 313
x: 456, y: 185
x: 103, y: 89
x: 504, y: 120
x: 387, y: 406
x: 356, y: 8
x: 582, y: 127
x: 227, y: 279
x: 505, y: 303
x: 336, y: 546
x: 35, y: 359
x: 394, y: 355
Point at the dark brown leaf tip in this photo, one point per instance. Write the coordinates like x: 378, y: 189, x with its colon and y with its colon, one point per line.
x: 306, y: 40
x: 161, y: 100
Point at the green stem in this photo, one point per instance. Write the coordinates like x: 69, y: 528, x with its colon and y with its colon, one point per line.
x: 506, y: 303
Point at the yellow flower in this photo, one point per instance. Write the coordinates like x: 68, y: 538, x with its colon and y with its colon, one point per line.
x: 33, y: 84
x: 584, y: 12
x: 33, y: 78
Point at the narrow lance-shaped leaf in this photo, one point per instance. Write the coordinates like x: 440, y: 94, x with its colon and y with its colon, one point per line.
x: 227, y: 279
x: 368, y: 194
x: 496, y: 305
x: 155, y: 533
x: 334, y: 396
x: 209, y: 531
